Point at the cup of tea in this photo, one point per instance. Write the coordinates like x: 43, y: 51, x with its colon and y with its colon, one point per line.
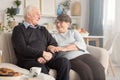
x: 35, y: 71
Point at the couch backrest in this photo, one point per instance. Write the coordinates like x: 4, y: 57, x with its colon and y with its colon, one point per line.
x: 7, y: 48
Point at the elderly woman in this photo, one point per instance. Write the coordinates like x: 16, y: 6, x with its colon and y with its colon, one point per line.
x: 72, y: 46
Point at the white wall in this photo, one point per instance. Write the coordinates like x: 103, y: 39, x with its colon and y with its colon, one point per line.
x: 85, y: 13
x: 4, y: 4
x: 117, y: 16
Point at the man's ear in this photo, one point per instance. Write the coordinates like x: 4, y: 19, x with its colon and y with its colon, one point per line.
x: 28, y: 15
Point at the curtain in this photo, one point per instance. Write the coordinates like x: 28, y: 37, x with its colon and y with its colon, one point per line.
x: 111, y: 29
x: 108, y: 22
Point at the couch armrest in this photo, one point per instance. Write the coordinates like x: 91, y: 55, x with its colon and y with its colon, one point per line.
x: 7, y: 48
x: 100, y: 54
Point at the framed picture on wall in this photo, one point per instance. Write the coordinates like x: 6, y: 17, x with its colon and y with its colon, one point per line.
x: 48, y: 7
x: 36, y: 3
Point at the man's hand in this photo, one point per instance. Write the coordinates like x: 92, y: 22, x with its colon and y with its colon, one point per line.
x: 41, y: 60
x: 47, y: 55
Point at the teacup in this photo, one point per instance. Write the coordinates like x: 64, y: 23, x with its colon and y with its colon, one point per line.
x: 35, y: 71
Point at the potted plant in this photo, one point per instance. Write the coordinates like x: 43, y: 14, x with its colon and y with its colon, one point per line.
x: 17, y: 3
x: 11, y: 12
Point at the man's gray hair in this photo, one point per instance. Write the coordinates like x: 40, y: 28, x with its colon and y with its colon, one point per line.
x: 28, y: 9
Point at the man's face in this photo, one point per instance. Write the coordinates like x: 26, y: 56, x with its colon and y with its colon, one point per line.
x: 34, y: 17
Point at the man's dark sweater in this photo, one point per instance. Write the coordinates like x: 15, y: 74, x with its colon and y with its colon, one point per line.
x: 29, y: 43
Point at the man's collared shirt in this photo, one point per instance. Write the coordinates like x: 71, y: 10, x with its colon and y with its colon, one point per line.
x: 26, y: 24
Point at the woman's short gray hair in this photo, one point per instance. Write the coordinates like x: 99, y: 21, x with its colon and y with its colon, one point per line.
x: 64, y: 18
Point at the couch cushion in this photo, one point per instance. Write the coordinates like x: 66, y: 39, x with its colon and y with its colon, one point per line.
x: 7, y: 48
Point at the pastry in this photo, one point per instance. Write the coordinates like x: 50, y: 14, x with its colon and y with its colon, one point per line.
x: 8, y: 72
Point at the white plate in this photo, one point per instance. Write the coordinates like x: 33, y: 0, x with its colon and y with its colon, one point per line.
x: 10, y: 78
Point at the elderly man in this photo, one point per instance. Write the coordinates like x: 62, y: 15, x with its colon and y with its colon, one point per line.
x: 32, y: 44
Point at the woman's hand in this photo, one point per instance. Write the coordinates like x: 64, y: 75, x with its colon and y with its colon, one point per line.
x: 70, y: 47
x: 61, y: 49
x: 52, y: 48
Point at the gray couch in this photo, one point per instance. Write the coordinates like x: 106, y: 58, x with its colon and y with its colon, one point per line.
x: 9, y: 58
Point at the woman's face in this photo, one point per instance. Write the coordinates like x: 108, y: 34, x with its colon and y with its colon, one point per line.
x: 62, y: 26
